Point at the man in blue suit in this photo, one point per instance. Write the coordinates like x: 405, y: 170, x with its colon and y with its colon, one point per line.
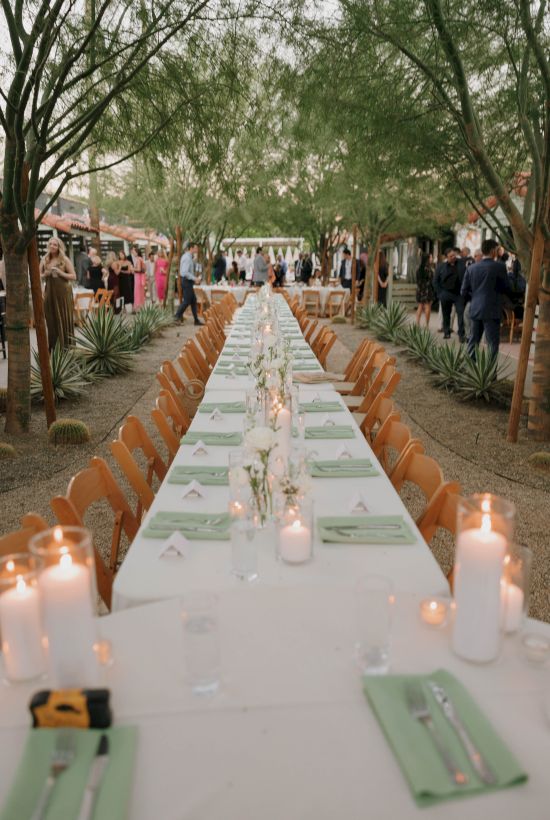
x: 484, y: 285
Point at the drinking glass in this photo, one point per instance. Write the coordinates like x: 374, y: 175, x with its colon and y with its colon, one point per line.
x: 374, y: 599
x: 20, y: 619
x: 244, y: 547
x: 514, y: 587
x: 201, y: 642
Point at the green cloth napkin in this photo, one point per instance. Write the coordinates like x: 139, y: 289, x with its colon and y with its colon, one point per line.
x: 350, y: 468
x: 336, y: 431
x: 321, y: 407
x: 204, y: 475
x: 223, y: 407
x: 214, y: 439
x: 309, y: 366
x: 365, y: 529
x: 66, y: 797
x: 195, y: 526
x: 415, y: 751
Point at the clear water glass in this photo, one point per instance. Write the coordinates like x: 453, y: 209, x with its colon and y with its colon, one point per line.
x: 374, y: 600
x: 244, y: 548
x: 201, y: 642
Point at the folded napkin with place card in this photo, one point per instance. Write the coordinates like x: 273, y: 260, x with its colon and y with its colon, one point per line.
x: 204, y: 475
x: 488, y: 765
x: 223, y: 407
x: 235, y: 370
x: 326, y: 431
x: 195, y: 526
x: 350, y: 468
x: 365, y: 529
x: 305, y: 367
x: 213, y: 439
x: 66, y: 798
x: 321, y: 407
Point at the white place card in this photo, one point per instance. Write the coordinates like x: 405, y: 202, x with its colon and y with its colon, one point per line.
x: 316, y: 398
x: 199, y: 449
x: 327, y: 421
x: 174, y: 546
x: 193, y: 490
x: 216, y: 415
x: 358, y: 503
x: 343, y: 453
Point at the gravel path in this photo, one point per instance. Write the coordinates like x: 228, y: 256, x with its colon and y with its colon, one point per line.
x: 469, y: 442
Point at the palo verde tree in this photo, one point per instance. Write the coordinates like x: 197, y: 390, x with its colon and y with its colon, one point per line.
x: 55, y: 101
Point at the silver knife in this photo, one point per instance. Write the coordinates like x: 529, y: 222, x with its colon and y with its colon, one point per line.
x: 476, y: 758
x: 95, y: 778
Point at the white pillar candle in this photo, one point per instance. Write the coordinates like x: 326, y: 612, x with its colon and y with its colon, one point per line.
x: 478, y: 571
x: 295, y: 543
x: 21, y: 629
x: 284, y: 433
x: 511, y: 598
x: 69, y: 623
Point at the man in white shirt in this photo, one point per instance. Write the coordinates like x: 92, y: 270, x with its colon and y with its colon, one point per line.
x: 345, y: 269
x: 187, y: 276
x: 241, y: 265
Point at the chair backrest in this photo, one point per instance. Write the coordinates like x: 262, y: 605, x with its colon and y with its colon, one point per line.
x: 327, y: 342
x: 441, y: 511
x: 202, y: 298
x: 420, y: 469
x: 168, y: 386
x: 169, y: 421
x: 18, y: 540
x: 385, y: 381
x: 380, y: 411
x: 133, y: 436
x: 189, y: 367
x: 95, y: 483
x: 199, y: 358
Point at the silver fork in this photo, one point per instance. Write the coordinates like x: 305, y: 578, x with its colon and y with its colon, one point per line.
x: 419, y: 709
x: 61, y: 758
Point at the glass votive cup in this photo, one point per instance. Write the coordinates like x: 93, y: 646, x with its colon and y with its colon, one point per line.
x: 295, y: 534
x: 535, y: 648
x: 201, y: 642
x: 245, y: 539
x: 434, y: 612
x: 374, y: 602
x: 514, y: 587
x: 68, y: 599
x: 20, y: 618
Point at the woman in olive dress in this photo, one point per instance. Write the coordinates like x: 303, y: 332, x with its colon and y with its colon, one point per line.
x: 126, y: 278
x: 57, y: 271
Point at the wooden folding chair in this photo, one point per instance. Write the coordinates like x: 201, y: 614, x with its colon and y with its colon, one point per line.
x: 202, y: 300
x: 167, y: 384
x: 83, y: 303
x: 441, y: 511
x: 394, y: 435
x: 198, y: 357
x: 385, y: 381
x: 335, y: 303
x: 380, y: 412
x: 169, y: 421
x: 133, y: 436
x: 360, y: 373
x: 324, y: 345
x: 95, y: 483
x: 312, y: 301
x: 18, y: 540
x: 187, y: 364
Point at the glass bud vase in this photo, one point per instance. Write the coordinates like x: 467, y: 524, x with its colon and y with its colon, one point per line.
x: 20, y: 618
x: 295, y: 536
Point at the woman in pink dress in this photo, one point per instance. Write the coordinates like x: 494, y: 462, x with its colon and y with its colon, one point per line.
x: 139, y: 280
x: 161, y: 274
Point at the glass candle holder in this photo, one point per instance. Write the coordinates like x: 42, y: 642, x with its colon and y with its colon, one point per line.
x: 295, y: 537
x: 20, y: 619
x: 246, y: 537
x: 485, y: 527
x: 514, y: 587
x: 68, y: 596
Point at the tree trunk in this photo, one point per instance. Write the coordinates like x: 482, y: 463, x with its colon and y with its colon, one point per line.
x: 170, y: 280
x: 533, y: 287
x: 179, y: 244
x: 17, y: 334
x: 539, y: 406
x: 41, y: 332
x: 93, y: 209
x: 353, y: 274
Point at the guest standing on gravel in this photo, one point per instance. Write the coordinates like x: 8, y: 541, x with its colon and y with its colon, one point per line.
x: 485, y: 284
x: 447, y: 283
x: 187, y: 275
x: 425, y: 293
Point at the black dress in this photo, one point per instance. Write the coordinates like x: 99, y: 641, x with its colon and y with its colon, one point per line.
x: 425, y: 293
x: 113, y: 283
x: 126, y: 283
x: 382, y: 292
x: 93, y: 278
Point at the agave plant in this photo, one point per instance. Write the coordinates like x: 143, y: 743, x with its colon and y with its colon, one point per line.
x: 478, y: 377
x: 419, y: 342
x: 103, y: 344
x: 149, y: 321
x: 68, y: 378
x: 388, y: 322
x: 366, y: 315
x: 446, y: 362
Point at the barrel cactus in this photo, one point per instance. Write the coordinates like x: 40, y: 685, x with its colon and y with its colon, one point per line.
x: 541, y: 461
x: 3, y: 399
x: 6, y: 450
x: 68, y: 431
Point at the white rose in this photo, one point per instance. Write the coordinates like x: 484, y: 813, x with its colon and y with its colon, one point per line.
x: 270, y: 340
x: 260, y: 438
x: 276, y: 364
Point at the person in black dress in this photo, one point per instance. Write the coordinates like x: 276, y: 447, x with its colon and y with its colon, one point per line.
x: 382, y: 279
x: 425, y: 293
x: 126, y: 278
x: 94, y: 274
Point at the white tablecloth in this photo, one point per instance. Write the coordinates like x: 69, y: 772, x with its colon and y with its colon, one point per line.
x: 238, y: 291
x: 290, y: 734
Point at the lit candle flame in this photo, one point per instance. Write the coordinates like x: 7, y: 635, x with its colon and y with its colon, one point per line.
x: 10, y: 566
x: 296, y: 525
x: 65, y: 561
x: 20, y: 585
x: 58, y: 534
x: 486, y: 523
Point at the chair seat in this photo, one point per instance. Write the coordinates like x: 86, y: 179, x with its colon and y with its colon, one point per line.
x: 353, y: 402
x: 344, y: 387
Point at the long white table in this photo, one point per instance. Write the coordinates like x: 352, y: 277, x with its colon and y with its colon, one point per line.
x: 289, y: 735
